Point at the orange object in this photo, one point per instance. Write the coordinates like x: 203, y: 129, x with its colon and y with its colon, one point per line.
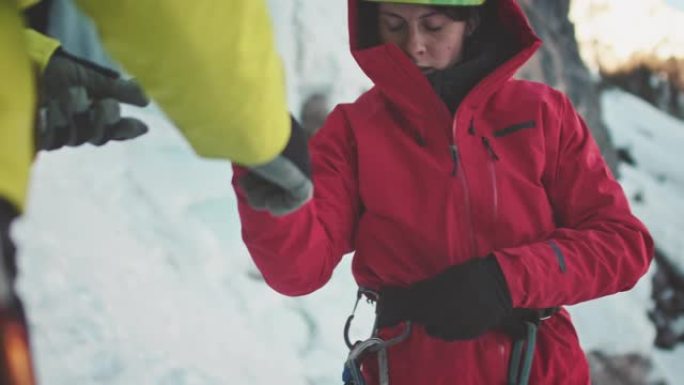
x: 16, y: 366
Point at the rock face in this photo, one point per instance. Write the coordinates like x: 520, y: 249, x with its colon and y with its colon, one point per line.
x: 559, y: 65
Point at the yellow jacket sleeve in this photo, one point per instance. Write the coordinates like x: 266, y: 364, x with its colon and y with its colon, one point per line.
x: 40, y: 47
x: 16, y: 107
x: 211, y: 65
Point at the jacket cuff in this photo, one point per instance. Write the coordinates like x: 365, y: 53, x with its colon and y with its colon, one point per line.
x: 40, y: 48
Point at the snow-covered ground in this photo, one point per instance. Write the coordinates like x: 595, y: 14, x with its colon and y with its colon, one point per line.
x: 133, y: 271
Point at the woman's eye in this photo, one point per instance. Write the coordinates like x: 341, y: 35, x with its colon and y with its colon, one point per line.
x: 434, y: 27
x: 394, y: 27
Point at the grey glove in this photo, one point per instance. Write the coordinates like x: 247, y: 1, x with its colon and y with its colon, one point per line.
x: 282, y: 185
x: 80, y: 102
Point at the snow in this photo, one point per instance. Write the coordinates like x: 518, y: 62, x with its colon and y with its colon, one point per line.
x: 312, y: 38
x: 613, y: 33
x: 655, y: 140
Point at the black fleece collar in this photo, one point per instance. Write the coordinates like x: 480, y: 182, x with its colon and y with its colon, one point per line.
x: 453, y: 84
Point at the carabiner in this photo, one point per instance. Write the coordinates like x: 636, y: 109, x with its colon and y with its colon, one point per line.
x: 372, y: 296
x: 352, y: 367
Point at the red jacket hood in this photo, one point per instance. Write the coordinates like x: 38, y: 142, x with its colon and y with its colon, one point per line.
x: 401, y: 81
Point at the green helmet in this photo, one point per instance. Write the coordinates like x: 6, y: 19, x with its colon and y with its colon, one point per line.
x: 435, y: 2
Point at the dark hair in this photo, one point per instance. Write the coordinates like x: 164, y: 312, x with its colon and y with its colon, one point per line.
x: 457, y: 13
x: 367, y: 25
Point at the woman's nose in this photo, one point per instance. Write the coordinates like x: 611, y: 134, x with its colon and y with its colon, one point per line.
x: 414, y: 46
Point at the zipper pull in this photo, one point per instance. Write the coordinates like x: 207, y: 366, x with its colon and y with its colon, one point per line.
x: 454, y: 158
x: 471, y: 128
x: 489, y: 148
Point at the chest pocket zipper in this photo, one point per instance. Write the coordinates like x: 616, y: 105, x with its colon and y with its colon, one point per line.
x: 515, y: 128
x: 493, y: 179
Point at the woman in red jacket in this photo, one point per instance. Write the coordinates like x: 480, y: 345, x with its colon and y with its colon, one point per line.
x: 476, y: 204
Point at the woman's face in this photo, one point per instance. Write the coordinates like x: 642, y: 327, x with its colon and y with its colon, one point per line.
x: 431, y: 39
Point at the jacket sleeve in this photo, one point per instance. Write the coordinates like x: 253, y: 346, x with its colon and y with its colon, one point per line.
x: 598, y: 248
x: 297, y: 253
x: 17, y: 104
x: 211, y: 65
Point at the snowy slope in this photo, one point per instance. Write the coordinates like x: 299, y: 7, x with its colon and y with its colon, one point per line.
x: 655, y: 140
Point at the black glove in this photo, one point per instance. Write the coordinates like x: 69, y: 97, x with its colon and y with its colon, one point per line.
x: 7, y: 252
x: 282, y: 185
x: 462, y: 302
x: 80, y: 102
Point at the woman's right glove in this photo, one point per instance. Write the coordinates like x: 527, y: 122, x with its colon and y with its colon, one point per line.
x: 282, y: 185
x: 80, y: 102
x: 460, y: 303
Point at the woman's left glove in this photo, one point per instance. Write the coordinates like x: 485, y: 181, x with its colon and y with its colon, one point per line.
x: 282, y: 185
x: 462, y: 302
x: 80, y: 102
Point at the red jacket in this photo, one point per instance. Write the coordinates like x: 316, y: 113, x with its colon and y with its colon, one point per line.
x: 412, y: 190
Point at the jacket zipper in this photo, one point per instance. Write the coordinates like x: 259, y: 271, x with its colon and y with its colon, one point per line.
x: 457, y: 171
x: 490, y: 149
x: 503, y: 346
x: 454, y: 159
x: 491, y: 163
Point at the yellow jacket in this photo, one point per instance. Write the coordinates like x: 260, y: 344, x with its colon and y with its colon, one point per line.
x: 39, y: 48
x: 212, y: 67
x: 17, y: 101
